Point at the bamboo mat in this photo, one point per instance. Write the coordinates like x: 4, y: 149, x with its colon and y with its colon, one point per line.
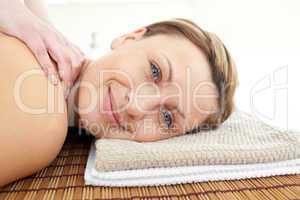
x: 64, y: 179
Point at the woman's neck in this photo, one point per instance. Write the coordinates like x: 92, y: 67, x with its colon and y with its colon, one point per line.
x: 72, y: 100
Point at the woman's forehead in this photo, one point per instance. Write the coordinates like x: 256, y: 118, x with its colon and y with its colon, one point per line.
x: 192, y: 82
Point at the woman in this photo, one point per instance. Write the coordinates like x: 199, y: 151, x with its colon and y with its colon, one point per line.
x: 29, y: 22
x: 163, y: 80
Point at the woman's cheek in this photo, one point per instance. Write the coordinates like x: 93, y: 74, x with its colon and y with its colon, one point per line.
x: 147, y: 132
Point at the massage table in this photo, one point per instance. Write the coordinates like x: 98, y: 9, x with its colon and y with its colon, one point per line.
x: 64, y: 179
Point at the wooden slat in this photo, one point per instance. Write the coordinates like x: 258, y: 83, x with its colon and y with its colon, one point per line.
x: 64, y: 179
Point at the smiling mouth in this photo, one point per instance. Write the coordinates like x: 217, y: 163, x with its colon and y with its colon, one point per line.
x: 113, y: 115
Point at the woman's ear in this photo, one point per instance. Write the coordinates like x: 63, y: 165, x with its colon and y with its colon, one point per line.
x: 133, y: 36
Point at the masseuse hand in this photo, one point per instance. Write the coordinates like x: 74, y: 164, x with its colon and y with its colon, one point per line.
x: 58, y: 58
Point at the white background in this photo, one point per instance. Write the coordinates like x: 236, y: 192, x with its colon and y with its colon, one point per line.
x: 262, y: 36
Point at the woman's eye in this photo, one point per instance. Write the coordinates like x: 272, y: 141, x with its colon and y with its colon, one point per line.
x: 155, y: 72
x: 167, y: 118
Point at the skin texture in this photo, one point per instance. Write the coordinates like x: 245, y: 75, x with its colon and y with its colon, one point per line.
x: 131, y: 56
x: 58, y: 57
x: 28, y: 141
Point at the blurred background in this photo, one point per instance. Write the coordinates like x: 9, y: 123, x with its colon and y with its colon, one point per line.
x: 262, y: 36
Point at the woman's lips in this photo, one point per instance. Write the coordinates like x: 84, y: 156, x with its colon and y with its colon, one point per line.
x: 109, y: 109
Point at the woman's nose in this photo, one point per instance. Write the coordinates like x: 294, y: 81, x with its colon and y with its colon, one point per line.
x: 142, y: 101
x: 134, y: 114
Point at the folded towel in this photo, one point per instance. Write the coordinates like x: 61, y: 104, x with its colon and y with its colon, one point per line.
x: 184, y: 174
x: 240, y: 148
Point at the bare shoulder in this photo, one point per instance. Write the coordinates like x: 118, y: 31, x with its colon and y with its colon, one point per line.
x: 25, y: 90
x: 33, y: 113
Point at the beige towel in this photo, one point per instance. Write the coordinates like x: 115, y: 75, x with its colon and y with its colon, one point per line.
x: 242, y: 139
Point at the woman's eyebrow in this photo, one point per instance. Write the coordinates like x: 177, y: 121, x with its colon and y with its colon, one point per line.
x: 170, y: 66
x: 180, y: 112
x: 175, y: 107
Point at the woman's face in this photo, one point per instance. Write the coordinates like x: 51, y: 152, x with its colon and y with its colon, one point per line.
x: 146, y: 89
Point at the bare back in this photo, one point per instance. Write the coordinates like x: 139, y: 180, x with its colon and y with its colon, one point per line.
x: 33, y: 119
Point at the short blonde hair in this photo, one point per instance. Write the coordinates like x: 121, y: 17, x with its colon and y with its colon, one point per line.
x: 223, y: 68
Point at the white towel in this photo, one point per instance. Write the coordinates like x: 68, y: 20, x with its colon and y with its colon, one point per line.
x: 184, y: 174
x: 243, y: 147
